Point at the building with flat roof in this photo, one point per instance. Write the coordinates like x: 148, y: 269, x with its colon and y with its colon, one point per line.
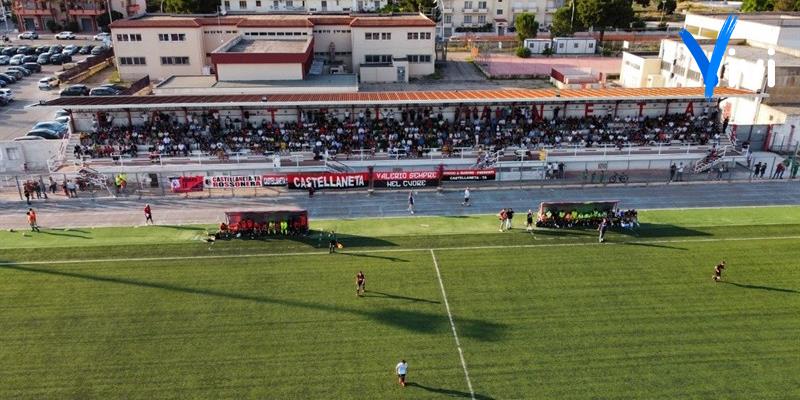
x: 391, y: 48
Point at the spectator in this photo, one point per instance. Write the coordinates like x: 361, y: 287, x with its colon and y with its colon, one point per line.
x: 680, y: 172
x: 672, y: 170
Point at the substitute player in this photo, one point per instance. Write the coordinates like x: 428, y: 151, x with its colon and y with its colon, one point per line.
x: 401, y: 368
x: 361, y: 283
x: 718, y: 271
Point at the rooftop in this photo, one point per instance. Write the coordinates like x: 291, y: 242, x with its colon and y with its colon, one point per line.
x: 319, y: 82
x: 299, y: 20
x: 767, y: 18
x: 269, y: 46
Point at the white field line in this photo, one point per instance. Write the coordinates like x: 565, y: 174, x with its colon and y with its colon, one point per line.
x: 452, y: 325
x: 408, y: 250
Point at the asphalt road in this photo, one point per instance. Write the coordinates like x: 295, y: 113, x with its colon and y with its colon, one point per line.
x: 331, y: 205
x: 18, y: 117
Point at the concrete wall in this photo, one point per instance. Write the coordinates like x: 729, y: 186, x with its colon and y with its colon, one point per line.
x: 636, y: 69
x: 152, y: 50
x: 34, y: 153
x: 379, y: 74
x: 399, y: 46
x: 340, y: 36
x: 256, y: 72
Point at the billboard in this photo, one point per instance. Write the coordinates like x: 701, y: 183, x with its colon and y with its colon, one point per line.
x: 328, y: 181
x: 405, y: 180
x: 456, y: 175
x: 244, y: 181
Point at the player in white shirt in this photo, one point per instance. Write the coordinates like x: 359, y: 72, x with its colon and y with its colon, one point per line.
x: 466, y: 198
x: 401, y: 369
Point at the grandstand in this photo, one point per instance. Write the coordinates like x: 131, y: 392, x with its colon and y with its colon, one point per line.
x: 389, y: 125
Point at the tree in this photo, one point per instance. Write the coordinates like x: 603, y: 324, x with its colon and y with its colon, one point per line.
x: 643, y: 3
x: 102, y: 19
x: 667, y: 6
x: 523, y: 52
x: 757, y: 5
x: 604, y: 14
x: 786, y: 5
x: 191, y: 6
x: 563, y: 23
x: 526, y: 26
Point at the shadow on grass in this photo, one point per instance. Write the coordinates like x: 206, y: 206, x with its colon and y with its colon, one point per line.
x: 772, y: 289
x: 372, y: 293
x: 319, y: 239
x: 656, y: 245
x: 411, y: 320
x: 182, y: 227
x: 643, y: 231
x: 54, y: 233
x: 392, y: 259
x: 448, y: 392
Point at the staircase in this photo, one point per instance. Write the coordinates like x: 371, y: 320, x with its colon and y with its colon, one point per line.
x: 712, y: 159
x: 69, y: 154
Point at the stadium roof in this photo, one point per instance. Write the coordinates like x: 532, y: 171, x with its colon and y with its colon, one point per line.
x: 392, y: 98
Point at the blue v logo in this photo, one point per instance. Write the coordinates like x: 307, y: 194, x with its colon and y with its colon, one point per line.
x: 709, y: 68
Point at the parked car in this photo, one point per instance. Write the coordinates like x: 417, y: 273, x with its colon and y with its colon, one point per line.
x: 8, y: 79
x: 18, y: 75
x: 28, y: 59
x: 21, y: 68
x: 57, y: 59
x: 63, y: 120
x: 76, y: 90
x: 44, y: 58
x: 7, y: 94
x: 66, y: 58
x: 3, y: 102
x: 32, y: 66
x: 60, y: 113
x: 42, y: 49
x: 65, y: 35
x: 98, y: 50
x: 102, y: 36
x: 49, y: 83
x: 4, y: 60
x: 118, y: 88
x: 16, y: 60
x: 3, y: 84
x: 28, y: 35
x: 44, y: 133
x: 51, y: 125
x: 56, y: 48
x: 71, y: 49
x: 104, y: 91
x: 26, y: 50
x: 86, y: 49
x: 9, y: 51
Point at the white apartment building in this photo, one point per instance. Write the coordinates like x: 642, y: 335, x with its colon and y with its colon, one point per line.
x: 756, y: 40
x: 499, y: 13
x: 275, y: 47
x: 267, y: 6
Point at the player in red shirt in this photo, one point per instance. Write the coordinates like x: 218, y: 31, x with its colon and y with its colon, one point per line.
x: 718, y: 271
x: 361, y: 283
x: 148, y: 215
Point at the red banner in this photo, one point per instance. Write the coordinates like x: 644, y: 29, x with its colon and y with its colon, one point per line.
x: 408, y: 179
x: 328, y: 181
x: 468, y: 175
x: 183, y: 184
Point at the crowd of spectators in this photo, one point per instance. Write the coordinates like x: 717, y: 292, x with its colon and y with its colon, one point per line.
x: 625, y: 219
x: 408, y: 132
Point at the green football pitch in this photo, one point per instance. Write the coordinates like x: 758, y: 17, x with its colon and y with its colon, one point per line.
x: 157, y: 313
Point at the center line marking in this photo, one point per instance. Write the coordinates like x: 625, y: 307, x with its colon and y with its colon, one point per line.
x: 452, y: 325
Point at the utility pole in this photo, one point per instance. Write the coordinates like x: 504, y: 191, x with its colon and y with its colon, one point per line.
x: 572, y: 17
x: 108, y: 6
x: 5, y: 17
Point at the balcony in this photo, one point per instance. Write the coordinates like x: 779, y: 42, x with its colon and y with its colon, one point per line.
x: 447, y: 10
x: 86, y: 9
x: 33, y: 11
x: 482, y: 11
x: 286, y: 8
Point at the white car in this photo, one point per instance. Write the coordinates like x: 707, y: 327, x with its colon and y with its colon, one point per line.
x: 16, y: 60
x: 7, y: 94
x: 65, y: 35
x: 49, y: 83
x: 102, y: 36
x: 28, y: 35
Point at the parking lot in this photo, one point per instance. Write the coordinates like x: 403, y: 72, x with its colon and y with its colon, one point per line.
x: 20, y: 115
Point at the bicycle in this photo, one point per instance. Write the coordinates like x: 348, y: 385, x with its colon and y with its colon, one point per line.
x: 620, y: 177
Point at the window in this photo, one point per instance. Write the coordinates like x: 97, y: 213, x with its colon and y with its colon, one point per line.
x: 386, y: 36
x: 413, y: 35
x: 368, y: 35
x: 467, y: 5
x: 377, y: 59
x: 481, y: 19
x: 426, y: 34
x: 499, y: 11
x: 174, y: 60
x: 13, y: 153
x: 575, y: 45
x: 591, y: 45
x: 482, y: 5
x: 132, y: 61
x: 448, y: 19
x: 468, y: 19
x: 289, y: 3
x: 132, y: 37
x: 419, y: 59
x: 275, y: 4
x: 258, y: 3
x: 171, y: 37
x: 242, y: 4
x: 227, y: 5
